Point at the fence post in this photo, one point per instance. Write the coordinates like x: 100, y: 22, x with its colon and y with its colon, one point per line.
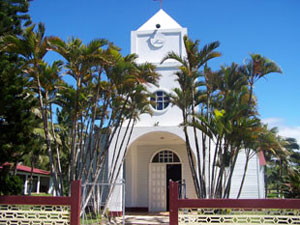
x: 173, y: 193
x: 75, y: 205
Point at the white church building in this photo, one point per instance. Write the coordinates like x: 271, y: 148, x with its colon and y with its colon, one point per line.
x: 157, y: 150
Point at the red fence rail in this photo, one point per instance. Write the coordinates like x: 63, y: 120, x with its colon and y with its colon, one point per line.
x: 73, y: 201
x: 176, y: 203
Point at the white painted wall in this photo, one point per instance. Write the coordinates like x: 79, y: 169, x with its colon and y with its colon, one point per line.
x: 254, y: 181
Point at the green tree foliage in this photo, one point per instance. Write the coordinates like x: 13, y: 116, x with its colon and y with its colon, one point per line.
x: 10, y: 184
x: 292, y: 183
x: 282, y: 170
x: 13, y: 16
x: 17, y: 121
x: 32, y: 46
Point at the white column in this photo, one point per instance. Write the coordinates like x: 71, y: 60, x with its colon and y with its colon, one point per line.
x: 38, y: 185
x: 25, y: 185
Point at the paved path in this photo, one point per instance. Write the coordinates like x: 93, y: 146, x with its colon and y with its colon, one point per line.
x: 147, y: 218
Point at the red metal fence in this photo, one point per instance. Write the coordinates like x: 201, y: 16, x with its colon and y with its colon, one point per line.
x: 43, y: 209
x: 256, y: 211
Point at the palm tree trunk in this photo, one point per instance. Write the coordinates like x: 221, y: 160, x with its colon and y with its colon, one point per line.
x: 214, y: 173
x: 115, y: 162
x: 113, y: 178
x: 191, y: 162
x: 57, y: 150
x: 119, y: 132
x: 209, y: 169
x: 209, y: 141
x: 251, y: 83
x: 83, y: 153
x: 244, y: 174
x: 74, y: 130
x: 88, y: 151
x: 201, y: 178
x: 47, y: 136
x: 228, y: 184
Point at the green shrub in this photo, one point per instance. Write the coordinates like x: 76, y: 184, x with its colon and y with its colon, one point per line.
x: 10, y: 185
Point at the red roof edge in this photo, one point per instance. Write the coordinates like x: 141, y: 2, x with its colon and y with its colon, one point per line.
x: 27, y: 169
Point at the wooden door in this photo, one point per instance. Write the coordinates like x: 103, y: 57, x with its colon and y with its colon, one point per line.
x: 157, y: 187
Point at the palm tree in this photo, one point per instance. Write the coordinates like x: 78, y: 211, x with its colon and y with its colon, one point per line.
x: 51, y: 82
x: 256, y: 68
x: 130, y: 98
x: 188, y: 77
x: 80, y: 58
x: 225, y: 124
x: 131, y: 95
x: 230, y: 123
x: 108, y: 90
x: 32, y: 46
x: 225, y: 117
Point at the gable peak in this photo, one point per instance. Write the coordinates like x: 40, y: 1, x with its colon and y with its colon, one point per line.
x: 160, y: 20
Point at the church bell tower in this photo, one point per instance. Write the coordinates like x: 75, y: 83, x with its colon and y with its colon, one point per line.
x: 157, y: 37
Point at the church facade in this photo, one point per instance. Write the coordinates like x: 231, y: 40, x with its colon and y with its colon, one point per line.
x: 157, y: 150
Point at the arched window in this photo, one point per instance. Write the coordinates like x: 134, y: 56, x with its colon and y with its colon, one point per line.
x: 165, y: 156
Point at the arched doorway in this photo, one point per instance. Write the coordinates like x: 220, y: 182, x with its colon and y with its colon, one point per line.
x: 140, y: 160
x: 165, y: 165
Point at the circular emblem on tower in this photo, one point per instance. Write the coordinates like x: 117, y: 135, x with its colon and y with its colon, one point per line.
x: 157, y: 40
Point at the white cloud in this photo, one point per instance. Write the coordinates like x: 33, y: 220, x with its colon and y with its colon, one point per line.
x: 272, y: 121
x: 283, y: 130
x: 290, y: 132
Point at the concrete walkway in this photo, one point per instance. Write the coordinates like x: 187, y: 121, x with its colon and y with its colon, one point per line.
x: 141, y: 218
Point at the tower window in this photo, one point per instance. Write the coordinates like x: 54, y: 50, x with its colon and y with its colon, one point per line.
x: 160, y: 100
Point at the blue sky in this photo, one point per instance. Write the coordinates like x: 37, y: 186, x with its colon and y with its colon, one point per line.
x: 267, y: 27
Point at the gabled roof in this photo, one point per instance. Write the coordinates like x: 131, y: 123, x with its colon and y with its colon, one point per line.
x: 35, y: 170
x: 161, y: 18
x: 28, y: 169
